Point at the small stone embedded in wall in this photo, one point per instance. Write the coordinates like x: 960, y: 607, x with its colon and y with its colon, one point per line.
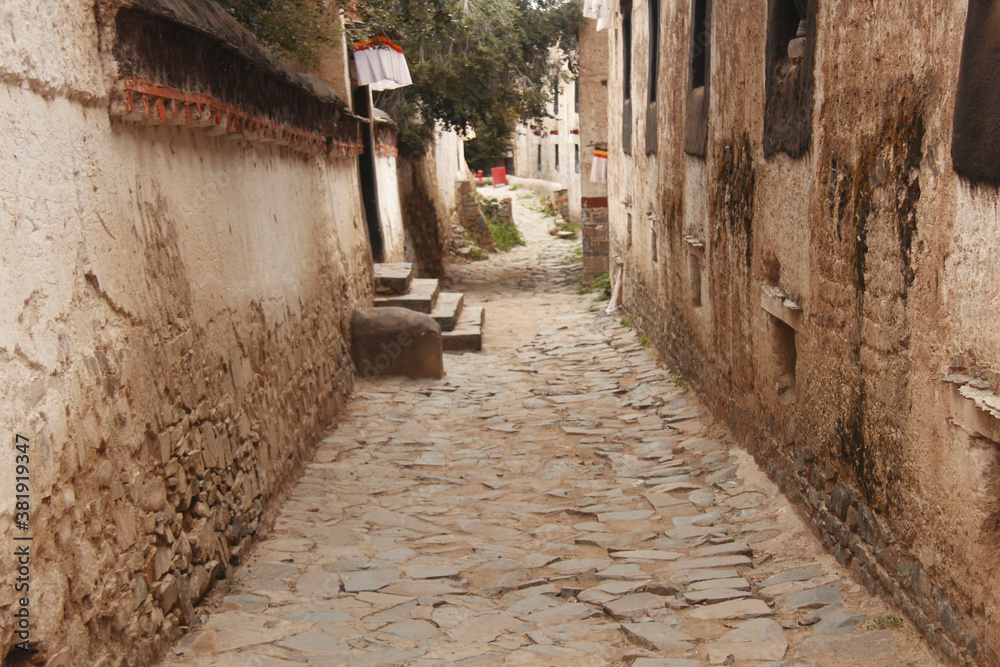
x: 797, y: 48
x: 506, y: 211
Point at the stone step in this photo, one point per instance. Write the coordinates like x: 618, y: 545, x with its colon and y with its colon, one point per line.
x: 421, y: 296
x: 448, y: 309
x: 393, y: 278
x: 468, y: 335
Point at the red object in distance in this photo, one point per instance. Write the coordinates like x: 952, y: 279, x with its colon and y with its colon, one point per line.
x: 499, y: 176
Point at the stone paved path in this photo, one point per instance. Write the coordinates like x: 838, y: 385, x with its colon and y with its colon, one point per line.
x: 555, y: 500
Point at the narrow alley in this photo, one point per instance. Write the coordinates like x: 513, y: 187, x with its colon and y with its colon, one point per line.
x: 561, y: 498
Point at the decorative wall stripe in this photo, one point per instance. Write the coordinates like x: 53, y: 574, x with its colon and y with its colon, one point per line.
x: 154, y: 104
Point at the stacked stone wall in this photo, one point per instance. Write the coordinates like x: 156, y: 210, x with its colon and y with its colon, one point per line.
x: 471, y: 216
x: 595, y: 240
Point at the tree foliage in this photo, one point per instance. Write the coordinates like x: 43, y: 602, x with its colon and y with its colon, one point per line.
x: 296, y: 28
x: 484, y: 64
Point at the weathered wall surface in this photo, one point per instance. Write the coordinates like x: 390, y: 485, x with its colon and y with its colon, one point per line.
x: 390, y: 212
x: 820, y: 300
x: 452, y: 169
x: 178, y: 308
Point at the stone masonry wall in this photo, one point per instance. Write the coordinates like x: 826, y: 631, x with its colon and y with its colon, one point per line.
x: 176, y: 339
x: 595, y: 241
x: 470, y: 216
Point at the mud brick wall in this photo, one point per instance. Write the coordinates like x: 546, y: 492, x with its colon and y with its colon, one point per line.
x: 820, y: 280
x: 176, y: 330
x: 856, y: 535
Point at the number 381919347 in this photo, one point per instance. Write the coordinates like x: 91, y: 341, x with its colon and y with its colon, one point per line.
x: 22, y: 478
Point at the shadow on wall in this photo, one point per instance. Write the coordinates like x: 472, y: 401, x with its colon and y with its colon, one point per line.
x: 421, y: 223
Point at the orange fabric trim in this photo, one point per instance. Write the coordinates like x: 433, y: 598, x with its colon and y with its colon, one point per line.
x: 169, y: 104
x: 378, y: 42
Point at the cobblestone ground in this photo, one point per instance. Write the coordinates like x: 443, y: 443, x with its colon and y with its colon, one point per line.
x: 556, y: 500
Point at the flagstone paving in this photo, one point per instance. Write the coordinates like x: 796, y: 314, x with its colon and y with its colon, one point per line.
x: 556, y: 500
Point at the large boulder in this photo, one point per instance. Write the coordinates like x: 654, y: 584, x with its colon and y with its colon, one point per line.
x: 396, y: 341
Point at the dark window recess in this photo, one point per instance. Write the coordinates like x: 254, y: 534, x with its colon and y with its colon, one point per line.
x: 555, y: 96
x: 699, y: 43
x: 557, y: 157
x: 654, y: 76
x: 694, y: 272
x: 785, y: 356
x: 654, y: 48
x: 627, y: 77
x: 975, y: 145
x: 539, y: 157
x: 576, y: 95
x: 696, y: 120
x: 628, y: 230
x: 576, y: 157
x: 791, y: 36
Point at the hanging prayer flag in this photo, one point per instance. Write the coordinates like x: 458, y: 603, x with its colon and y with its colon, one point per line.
x: 600, y: 10
x: 599, y: 170
x: 381, y: 64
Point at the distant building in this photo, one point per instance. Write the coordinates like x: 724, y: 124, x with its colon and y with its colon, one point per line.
x: 552, y: 151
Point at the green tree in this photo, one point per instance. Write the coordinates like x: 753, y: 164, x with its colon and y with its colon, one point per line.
x: 296, y: 28
x: 485, y: 64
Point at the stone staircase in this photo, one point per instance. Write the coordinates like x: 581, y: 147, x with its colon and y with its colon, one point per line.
x: 461, y: 328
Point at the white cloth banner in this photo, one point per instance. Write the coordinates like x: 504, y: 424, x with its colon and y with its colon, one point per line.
x: 382, y: 68
x: 599, y: 170
x: 600, y: 10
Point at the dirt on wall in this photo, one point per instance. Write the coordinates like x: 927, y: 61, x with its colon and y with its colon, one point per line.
x: 873, y: 204
x: 734, y: 197
x: 732, y: 238
x: 183, y: 431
